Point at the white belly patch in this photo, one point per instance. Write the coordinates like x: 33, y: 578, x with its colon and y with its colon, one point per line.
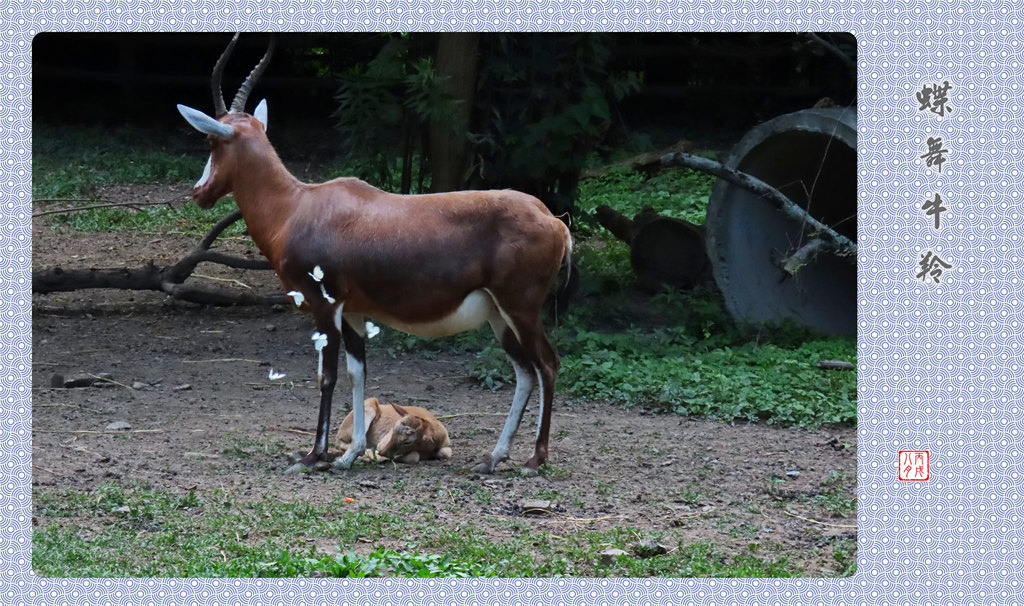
x: 475, y: 309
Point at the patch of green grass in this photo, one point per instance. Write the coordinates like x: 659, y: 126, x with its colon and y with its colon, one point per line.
x: 72, y: 164
x: 670, y: 370
x: 244, y: 447
x: 835, y: 498
x: 845, y: 554
x: 680, y: 192
x: 554, y: 472
x: 75, y: 161
x: 691, y: 496
x: 184, y: 218
x: 135, y: 531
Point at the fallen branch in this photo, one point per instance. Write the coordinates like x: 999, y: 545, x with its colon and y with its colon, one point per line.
x: 170, y: 279
x: 298, y: 431
x: 105, y: 431
x: 75, y: 209
x: 839, y: 244
x: 571, y: 520
x: 789, y: 513
x: 472, y: 414
x: 227, y: 280
x: 107, y: 380
x: 222, y: 360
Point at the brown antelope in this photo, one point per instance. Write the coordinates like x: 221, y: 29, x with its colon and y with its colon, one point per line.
x: 429, y: 265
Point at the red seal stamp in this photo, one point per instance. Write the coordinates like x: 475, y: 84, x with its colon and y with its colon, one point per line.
x: 914, y: 465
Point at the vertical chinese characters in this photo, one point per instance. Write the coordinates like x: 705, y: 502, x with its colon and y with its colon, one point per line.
x: 934, y: 98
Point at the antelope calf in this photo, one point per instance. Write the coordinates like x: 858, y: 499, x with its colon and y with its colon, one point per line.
x: 401, y: 433
x: 429, y: 265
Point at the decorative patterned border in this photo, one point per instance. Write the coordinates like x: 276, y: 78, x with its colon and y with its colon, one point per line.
x: 939, y: 363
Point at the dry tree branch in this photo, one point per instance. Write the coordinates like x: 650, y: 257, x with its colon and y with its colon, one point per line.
x: 828, y: 238
x: 790, y: 513
x: 104, y: 205
x: 170, y: 279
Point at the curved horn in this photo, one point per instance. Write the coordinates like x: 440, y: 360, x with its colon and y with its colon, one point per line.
x: 238, y: 105
x: 219, y: 109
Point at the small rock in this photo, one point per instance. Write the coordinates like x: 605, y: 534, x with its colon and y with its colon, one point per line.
x: 368, y: 484
x: 536, y: 507
x: 793, y: 473
x: 124, y: 510
x: 610, y: 556
x: 139, y: 385
x: 270, y: 327
x: 88, y: 380
x: 182, y: 387
x: 648, y: 549
x: 118, y: 426
x: 57, y: 380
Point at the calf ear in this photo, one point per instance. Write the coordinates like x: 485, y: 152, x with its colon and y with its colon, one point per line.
x: 260, y: 113
x: 399, y: 409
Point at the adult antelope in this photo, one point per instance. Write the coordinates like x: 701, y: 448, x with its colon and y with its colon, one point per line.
x: 429, y: 265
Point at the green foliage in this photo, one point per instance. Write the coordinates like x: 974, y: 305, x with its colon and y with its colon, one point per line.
x: 133, y: 531
x: 185, y: 218
x: 74, y: 162
x: 835, y: 497
x: 845, y: 554
x: 679, y: 192
x: 543, y: 103
x: 673, y: 371
x: 383, y: 103
x: 138, y: 531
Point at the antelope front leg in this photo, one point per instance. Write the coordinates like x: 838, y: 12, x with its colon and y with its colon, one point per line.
x: 355, y: 357
x: 328, y: 346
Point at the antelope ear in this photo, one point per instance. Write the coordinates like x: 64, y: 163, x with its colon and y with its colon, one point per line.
x: 260, y: 113
x: 205, y: 124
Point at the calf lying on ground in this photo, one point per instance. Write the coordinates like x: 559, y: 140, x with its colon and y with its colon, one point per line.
x: 400, y: 433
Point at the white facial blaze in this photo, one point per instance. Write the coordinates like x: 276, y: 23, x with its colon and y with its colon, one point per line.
x: 206, y: 172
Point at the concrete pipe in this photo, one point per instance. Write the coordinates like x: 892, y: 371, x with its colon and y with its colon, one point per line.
x: 811, y: 156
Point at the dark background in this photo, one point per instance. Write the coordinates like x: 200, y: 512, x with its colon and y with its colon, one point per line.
x: 710, y: 87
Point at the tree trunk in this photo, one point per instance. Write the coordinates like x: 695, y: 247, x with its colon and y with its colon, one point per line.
x: 456, y: 64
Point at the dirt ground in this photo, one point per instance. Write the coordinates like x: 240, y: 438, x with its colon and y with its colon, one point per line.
x: 191, y: 382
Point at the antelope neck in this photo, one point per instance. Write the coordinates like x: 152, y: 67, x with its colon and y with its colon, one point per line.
x: 267, y: 194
